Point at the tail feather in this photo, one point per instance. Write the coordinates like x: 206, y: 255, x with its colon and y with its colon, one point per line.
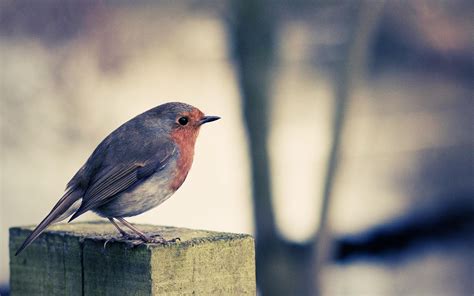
x: 59, y: 212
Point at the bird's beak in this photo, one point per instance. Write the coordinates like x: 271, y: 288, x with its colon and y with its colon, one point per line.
x: 207, y: 119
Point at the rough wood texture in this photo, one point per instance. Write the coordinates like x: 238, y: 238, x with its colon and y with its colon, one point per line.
x: 73, y: 259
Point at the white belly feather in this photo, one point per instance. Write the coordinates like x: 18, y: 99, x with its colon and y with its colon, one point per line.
x: 145, y: 196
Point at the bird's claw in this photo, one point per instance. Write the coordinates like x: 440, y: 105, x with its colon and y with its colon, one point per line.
x: 131, y: 237
x: 158, y: 239
x: 136, y: 240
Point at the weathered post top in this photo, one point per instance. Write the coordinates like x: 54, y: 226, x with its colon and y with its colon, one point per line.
x: 90, y: 259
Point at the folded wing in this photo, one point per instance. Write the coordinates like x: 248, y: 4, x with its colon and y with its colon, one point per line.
x: 122, y: 177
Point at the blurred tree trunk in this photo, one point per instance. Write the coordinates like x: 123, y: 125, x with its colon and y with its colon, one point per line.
x: 253, y: 29
x: 351, y: 72
x: 284, y: 268
x: 253, y: 38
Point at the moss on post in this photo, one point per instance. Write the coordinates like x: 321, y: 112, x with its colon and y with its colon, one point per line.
x: 74, y: 259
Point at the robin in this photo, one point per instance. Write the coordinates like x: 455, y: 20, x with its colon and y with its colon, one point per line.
x: 134, y: 169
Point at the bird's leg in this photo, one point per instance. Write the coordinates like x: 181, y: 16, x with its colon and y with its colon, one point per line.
x: 143, y: 236
x: 122, y: 232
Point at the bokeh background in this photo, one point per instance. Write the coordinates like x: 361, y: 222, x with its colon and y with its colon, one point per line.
x: 346, y: 144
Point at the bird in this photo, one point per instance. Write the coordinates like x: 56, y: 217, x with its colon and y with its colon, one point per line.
x: 134, y: 169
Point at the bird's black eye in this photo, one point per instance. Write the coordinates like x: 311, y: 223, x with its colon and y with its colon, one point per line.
x: 183, y: 120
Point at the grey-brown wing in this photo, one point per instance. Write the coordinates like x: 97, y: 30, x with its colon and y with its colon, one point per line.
x: 120, y: 178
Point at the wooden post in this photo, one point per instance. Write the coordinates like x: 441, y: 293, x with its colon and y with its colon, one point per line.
x: 74, y: 259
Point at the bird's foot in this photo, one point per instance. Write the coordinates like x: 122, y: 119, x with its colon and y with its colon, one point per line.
x: 137, y: 240
x: 158, y: 239
x: 126, y: 238
x: 129, y: 237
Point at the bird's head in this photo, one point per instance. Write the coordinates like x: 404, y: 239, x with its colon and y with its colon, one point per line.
x: 181, y: 120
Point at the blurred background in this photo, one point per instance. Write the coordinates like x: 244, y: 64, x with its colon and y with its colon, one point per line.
x: 346, y: 144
